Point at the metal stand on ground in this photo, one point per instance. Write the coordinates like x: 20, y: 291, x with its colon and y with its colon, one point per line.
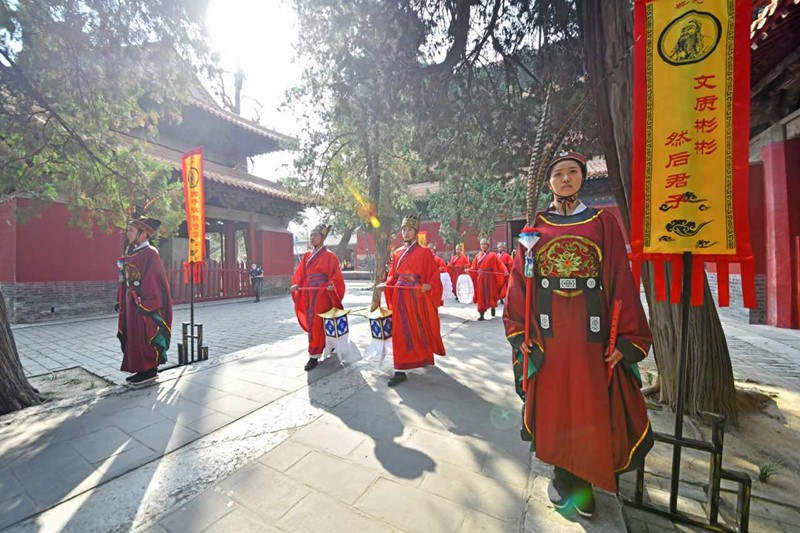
x: 191, y: 349
x: 715, y: 471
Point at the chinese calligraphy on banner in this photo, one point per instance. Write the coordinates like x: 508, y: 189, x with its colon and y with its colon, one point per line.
x: 691, y: 138
x: 194, y: 198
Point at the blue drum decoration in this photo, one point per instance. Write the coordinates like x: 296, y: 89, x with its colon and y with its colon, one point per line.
x: 380, y: 325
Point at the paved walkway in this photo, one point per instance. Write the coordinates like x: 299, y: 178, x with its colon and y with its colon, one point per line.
x: 250, y: 442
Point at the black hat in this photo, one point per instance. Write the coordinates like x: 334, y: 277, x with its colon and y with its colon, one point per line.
x: 147, y: 225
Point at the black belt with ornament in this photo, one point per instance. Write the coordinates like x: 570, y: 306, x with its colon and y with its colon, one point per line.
x: 544, y: 303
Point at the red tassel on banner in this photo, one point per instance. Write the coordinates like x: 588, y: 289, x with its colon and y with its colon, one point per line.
x: 186, y: 270
x: 749, y: 283
x: 723, y: 287
x: 698, y: 276
x: 660, y: 279
x: 636, y: 269
x: 677, y: 280
x: 199, y: 271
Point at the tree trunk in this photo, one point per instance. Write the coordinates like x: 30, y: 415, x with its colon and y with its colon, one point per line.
x: 341, y: 248
x: 15, y: 391
x: 382, y: 237
x: 607, y: 29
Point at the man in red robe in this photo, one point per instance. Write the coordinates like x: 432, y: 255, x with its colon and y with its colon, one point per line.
x: 144, y: 305
x: 413, y: 290
x: 458, y: 265
x: 589, y: 426
x: 440, y: 264
x: 508, y: 261
x: 317, y: 287
x: 488, y: 274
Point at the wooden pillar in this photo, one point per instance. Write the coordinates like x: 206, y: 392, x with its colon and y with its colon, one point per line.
x: 782, y: 225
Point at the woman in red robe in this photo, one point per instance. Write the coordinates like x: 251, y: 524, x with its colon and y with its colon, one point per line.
x: 458, y: 265
x: 144, y: 304
x: 317, y: 286
x: 413, y: 289
x: 488, y: 274
x: 589, y: 427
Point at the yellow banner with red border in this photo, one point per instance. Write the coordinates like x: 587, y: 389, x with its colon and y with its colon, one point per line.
x: 691, y: 137
x: 194, y: 199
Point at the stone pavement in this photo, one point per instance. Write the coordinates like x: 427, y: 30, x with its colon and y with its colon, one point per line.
x: 230, y: 326
x: 250, y: 442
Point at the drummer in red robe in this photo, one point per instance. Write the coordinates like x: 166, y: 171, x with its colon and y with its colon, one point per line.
x: 488, y: 274
x: 413, y: 290
x: 458, y: 265
x: 587, y: 427
x: 144, y: 304
x: 317, y: 286
x: 508, y: 261
x: 440, y: 264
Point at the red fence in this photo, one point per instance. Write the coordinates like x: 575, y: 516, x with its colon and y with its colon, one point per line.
x: 220, y: 283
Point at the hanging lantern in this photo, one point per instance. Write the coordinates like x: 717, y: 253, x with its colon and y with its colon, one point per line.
x: 337, y: 331
x: 380, y: 326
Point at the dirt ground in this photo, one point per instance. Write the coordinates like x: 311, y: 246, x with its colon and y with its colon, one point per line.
x: 767, y: 437
x: 67, y: 383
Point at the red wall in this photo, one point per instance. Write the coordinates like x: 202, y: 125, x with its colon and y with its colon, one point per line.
x: 277, y: 257
x: 8, y: 242
x: 471, y: 239
x: 48, y: 249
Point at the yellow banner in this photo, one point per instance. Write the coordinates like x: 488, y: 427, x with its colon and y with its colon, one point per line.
x: 194, y: 197
x: 689, y: 127
x: 422, y: 237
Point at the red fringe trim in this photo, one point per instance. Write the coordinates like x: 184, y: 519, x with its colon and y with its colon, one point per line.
x: 723, y: 284
x: 197, y: 269
x: 677, y: 280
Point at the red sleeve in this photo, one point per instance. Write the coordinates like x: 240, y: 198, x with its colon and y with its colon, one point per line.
x: 633, y: 336
x: 154, y: 279
x: 335, y: 277
x: 514, y: 309
x: 391, y: 280
x: 300, y: 272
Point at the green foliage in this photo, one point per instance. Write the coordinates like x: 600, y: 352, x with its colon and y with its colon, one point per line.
x: 75, y: 77
x: 431, y: 91
x: 766, y: 471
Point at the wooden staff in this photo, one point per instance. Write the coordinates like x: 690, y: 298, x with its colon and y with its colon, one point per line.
x: 612, y: 336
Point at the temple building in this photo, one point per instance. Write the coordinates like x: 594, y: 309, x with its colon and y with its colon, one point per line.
x: 49, y: 270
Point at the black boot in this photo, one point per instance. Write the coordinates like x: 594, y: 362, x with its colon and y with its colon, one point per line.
x: 582, y: 497
x: 493, y: 312
x: 398, y: 377
x: 141, y: 378
x: 559, y: 489
x: 312, y: 362
x: 481, y: 317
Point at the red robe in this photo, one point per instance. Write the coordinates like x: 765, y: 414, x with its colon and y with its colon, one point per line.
x: 458, y: 265
x: 416, y: 334
x: 488, y: 274
x: 317, y: 270
x: 440, y: 264
x: 576, y: 419
x: 145, y: 311
x: 508, y: 261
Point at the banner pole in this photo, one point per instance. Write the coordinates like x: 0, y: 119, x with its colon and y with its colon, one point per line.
x: 191, y: 306
x: 686, y: 290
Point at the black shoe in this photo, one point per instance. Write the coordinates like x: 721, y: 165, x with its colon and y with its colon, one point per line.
x: 583, y: 497
x: 142, y: 377
x: 398, y: 377
x: 312, y: 363
x: 481, y: 317
x: 559, y: 489
x: 493, y: 312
